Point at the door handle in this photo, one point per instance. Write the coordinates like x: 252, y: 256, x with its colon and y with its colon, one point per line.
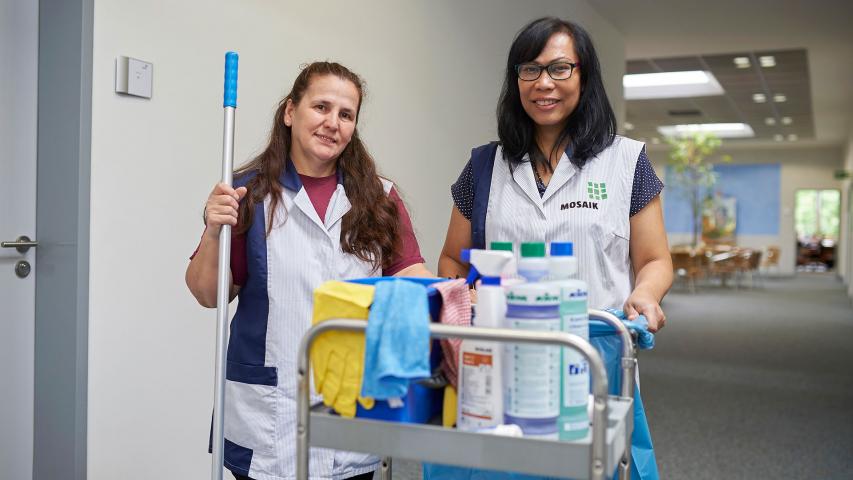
x: 22, y: 244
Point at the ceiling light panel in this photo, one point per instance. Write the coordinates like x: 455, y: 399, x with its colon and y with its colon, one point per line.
x: 742, y: 62
x: 767, y: 61
x: 722, y: 130
x: 694, y: 83
x: 759, y: 98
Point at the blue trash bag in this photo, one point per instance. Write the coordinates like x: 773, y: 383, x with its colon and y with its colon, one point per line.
x: 609, y: 345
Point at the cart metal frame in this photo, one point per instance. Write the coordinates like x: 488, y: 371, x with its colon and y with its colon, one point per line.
x: 608, y: 446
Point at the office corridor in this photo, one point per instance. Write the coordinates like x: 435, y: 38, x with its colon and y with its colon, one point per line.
x: 754, y: 383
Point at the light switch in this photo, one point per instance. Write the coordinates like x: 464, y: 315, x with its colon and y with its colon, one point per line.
x: 134, y: 77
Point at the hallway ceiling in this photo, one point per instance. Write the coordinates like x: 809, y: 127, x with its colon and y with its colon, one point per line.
x: 663, y: 30
x: 770, y: 120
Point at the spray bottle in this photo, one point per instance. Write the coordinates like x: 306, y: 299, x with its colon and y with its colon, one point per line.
x: 480, y: 364
x: 573, y: 421
x: 510, y: 272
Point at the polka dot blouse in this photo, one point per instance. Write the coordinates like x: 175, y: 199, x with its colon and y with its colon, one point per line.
x: 646, y: 186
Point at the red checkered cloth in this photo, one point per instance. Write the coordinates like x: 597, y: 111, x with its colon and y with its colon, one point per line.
x: 455, y: 310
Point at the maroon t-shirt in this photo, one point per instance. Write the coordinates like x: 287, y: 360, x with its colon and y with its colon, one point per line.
x: 320, y: 191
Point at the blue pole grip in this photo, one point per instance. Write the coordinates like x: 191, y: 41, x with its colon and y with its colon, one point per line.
x: 230, y: 99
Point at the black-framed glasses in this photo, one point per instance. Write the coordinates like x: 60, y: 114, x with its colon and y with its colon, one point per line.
x: 561, y: 70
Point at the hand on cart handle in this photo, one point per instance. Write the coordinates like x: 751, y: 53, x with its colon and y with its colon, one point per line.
x: 221, y: 208
x: 642, y: 303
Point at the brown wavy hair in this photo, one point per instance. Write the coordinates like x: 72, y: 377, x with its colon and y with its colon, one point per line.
x: 370, y: 230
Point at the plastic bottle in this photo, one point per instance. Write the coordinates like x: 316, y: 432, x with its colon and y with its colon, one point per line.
x: 573, y: 421
x: 532, y: 375
x: 533, y: 265
x: 480, y: 363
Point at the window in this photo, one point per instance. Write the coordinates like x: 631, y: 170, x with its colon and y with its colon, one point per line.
x: 816, y: 214
x: 817, y: 219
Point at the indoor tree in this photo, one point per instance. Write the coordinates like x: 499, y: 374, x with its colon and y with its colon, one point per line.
x: 692, y: 172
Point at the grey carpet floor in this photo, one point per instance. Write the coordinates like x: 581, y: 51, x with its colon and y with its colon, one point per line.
x: 754, y: 383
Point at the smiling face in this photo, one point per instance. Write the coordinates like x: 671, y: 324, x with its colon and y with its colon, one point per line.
x: 322, y: 123
x: 549, y: 102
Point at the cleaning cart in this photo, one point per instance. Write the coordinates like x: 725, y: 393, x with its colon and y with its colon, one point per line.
x: 605, y: 451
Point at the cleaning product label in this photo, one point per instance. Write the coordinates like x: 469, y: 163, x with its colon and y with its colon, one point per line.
x: 575, y: 320
x: 533, y: 389
x: 477, y: 372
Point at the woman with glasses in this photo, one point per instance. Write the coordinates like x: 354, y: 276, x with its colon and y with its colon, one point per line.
x: 559, y: 172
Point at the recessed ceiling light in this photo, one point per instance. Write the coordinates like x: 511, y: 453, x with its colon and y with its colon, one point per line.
x: 722, y: 130
x: 695, y: 83
x: 792, y: 137
x: 770, y: 121
x: 742, y: 62
x: 778, y: 137
x: 629, y: 126
x: 759, y: 98
x: 767, y: 61
x: 779, y: 98
x: 787, y: 120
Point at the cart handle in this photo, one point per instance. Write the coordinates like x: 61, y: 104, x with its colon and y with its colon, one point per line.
x: 629, y: 360
x: 599, y: 378
x: 629, y: 365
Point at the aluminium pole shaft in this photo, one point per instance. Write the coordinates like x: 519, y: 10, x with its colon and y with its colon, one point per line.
x: 223, y: 274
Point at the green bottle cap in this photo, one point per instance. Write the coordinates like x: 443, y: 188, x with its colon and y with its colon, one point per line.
x: 504, y: 246
x: 533, y: 249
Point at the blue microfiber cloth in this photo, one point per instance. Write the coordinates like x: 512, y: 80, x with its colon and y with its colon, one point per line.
x: 645, y: 338
x: 397, y: 339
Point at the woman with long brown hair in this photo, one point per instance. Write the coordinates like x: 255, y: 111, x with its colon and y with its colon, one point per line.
x: 309, y: 208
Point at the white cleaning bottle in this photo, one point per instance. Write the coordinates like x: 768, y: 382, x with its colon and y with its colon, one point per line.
x: 573, y: 421
x: 480, y: 364
x: 533, y: 265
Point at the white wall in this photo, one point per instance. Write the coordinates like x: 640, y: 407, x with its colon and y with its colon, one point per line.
x: 847, y: 217
x: 801, y: 168
x: 433, y: 70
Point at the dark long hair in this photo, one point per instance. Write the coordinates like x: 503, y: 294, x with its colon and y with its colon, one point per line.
x: 591, y: 127
x: 370, y: 230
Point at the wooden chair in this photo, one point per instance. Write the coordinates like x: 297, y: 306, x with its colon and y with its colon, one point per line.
x: 723, y: 265
x: 771, y: 258
x: 687, y: 265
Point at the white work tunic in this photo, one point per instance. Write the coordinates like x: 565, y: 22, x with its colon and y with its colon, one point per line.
x: 589, y: 207
x: 273, y: 314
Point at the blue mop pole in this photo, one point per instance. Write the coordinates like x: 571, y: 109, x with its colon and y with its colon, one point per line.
x: 222, y: 287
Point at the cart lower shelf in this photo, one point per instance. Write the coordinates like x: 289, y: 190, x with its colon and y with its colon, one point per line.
x: 434, y: 444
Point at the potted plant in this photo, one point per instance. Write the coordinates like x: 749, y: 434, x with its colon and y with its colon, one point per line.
x: 692, y: 172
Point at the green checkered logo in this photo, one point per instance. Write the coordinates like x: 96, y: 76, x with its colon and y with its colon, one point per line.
x: 597, y: 191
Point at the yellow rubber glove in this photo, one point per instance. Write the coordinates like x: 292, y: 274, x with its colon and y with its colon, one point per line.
x: 337, y: 358
x: 448, y: 413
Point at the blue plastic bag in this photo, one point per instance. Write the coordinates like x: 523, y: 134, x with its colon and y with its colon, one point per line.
x: 609, y: 345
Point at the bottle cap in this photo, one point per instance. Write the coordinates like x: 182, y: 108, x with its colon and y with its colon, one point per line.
x: 507, y: 246
x: 533, y: 249
x: 562, y: 249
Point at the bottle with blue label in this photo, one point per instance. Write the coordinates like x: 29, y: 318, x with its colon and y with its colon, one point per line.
x: 532, y: 372
x: 573, y: 420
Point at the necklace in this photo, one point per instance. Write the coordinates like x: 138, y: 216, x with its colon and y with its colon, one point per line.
x: 540, y: 185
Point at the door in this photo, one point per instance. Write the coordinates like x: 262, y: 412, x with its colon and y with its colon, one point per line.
x: 18, y: 92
